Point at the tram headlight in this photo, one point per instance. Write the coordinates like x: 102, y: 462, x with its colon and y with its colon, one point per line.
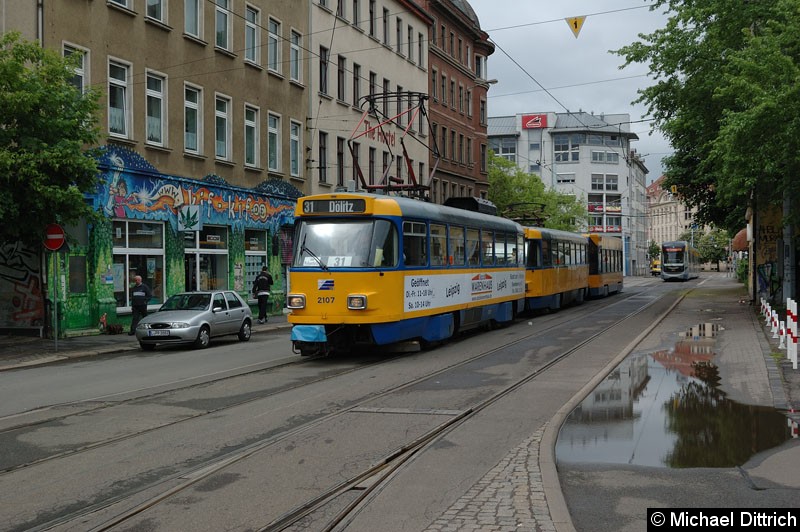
x: 296, y: 301
x: 356, y: 302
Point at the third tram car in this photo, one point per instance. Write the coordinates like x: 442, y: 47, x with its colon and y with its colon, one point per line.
x: 679, y: 261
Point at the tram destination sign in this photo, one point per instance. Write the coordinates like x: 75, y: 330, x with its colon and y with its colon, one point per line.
x: 337, y: 206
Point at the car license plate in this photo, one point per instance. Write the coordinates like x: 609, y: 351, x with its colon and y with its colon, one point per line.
x: 158, y: 333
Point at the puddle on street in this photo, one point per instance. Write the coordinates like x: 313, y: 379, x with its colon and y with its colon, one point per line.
x: 665, y: 409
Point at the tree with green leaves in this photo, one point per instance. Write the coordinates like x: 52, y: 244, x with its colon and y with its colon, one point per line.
x: 653, y: 250
x: 523, y: 197
x: 726, y: 98
x: 46, y: 125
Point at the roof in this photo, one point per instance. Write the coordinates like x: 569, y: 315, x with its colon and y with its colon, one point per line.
x: 499, y: 126
x: 582, y: 121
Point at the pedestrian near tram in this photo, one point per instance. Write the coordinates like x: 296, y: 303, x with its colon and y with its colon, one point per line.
x: 140, y: 296
x: 261, y: 287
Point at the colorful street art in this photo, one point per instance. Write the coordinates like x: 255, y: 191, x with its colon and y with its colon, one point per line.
x: 135, y: 190
x: 21, y: 301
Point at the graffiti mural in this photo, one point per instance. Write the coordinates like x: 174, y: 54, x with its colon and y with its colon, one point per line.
x: 21, y: 300
x: 767, y: 238
x: 135, y: 190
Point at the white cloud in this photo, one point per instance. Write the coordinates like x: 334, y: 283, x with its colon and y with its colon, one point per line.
x: 535, y: 46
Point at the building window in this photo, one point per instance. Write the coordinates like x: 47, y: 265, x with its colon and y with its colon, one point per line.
x: 252, y: 35
x: 443, y: 87
x: 398, y: 35
x: 480, y: 70
x: 356, y: 83
x: 469, y: 103
x: 421, y: 50
x: 371, y: 169
x: 356, y: 9
x: 191, y: 17
x: 339, y: 161
x: 410, y: 43
x: 251, y: 138
x: 434, y: 84
x: 119, y: 106
x: 222, y: 24
x: 453, y: 93
x: 222, y: 131
x: 597, y: 181
x: 295, y: 56
x: 156, y: 10
x: 340, y: 8
x: 483, y: 157
x: 273, y: 142
x: 341, y: 72
x: 80, y: 73
x: 323, y: 157
x: 469, y: 152
x: 566, y: 147
x: 274, y: 46
x: 460, y: 98
x: 192, y: 119
x: 295, y: 147
x: 255, y: 254
x: 138, y: 249
x: 400, y: 115
x: 156, y: 116
x: 482, y: 112
x: 356, y: 150
x: 323, y: 70
x: 123, y: 3
x: 372, y: 18
x: 385, y: 26
x: 373, y: 85
x: 505, y: 147
x: 385, y: 100
x: 565, y: 178
x: 612, y: 182
x: 399, y: 167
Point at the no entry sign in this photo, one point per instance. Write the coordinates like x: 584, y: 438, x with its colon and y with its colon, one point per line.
x: 53, y: 237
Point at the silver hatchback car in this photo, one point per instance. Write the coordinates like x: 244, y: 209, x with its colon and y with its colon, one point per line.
x: 194, y: 318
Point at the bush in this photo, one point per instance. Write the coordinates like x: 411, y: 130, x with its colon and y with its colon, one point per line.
x: 742, y: 267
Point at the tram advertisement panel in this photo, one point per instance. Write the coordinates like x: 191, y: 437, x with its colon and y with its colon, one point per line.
x: 427, y: 292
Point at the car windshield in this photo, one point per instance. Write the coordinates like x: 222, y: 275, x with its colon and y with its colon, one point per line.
x: 187, y: 302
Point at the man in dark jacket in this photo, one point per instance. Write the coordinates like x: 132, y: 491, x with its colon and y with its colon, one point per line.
x: 261, y: 288
x: 140, y: 296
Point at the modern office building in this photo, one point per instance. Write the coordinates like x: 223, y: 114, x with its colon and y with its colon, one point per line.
x: 589, y: 156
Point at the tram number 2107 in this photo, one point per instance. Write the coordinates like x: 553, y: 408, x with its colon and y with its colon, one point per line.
x: 325, y: 300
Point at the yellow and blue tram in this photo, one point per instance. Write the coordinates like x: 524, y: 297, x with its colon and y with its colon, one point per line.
x: 605, y: 265
x: 372, y: 270
x: 556, y: 268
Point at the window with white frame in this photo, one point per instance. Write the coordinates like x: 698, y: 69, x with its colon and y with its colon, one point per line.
x: 341, y: 72
x: 612, y: 182
x: 252, y: 34
x: 119, y: 99
x: 156, y: 89
x: 222, y: 24
x: 192, y: 17
x: 566, y: 146
x: 80, y: 76
x: 274, y: 45
x: 295, y: 147
x: 565, y: 178
x: 251, y: 137
x: 340, y: 8
x: 157, y: 10
x: 372, y: 18
x: 410, y: 43
x: 612, y: 157
x: 598, y: 181
x: 421, y: 50
x: 123, y: 3
x: 385, y: 26
x: 295, y: 56
x: 192, y: 119
x: 356, y: 14
x: 222, y: 127
x: 273, y: 142
x: 398, y: 35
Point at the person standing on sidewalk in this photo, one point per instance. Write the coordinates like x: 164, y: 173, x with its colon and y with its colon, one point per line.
x: 261, y: 288
x: 140, y: 296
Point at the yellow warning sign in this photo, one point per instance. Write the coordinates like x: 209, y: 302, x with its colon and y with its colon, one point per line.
x: 575, y: 24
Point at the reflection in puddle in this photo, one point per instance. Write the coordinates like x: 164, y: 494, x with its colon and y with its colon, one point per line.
x: 665, y: 409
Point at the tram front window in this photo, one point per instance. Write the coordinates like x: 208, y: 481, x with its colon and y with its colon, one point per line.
x: 346, y: 244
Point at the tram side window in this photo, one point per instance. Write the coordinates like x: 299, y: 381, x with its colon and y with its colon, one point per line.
x: 385, y: 239
x: 487, y: 247
x: 415, y: 244
x: 473, y: 247
x: 535, y: 253
x: 547, y: 256
x: 438, y: 245
x: 520, y: 250
x: 457, y: 247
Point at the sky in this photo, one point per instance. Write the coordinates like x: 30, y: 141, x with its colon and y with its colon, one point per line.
x: 536, y: 49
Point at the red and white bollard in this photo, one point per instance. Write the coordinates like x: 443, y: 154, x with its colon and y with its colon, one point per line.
x: 782, y: 334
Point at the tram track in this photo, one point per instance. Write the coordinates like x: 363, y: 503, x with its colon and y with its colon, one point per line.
x: 367, y: 482
x: 179, y: 483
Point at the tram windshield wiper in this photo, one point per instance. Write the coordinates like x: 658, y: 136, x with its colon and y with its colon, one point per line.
x: 304, y: 249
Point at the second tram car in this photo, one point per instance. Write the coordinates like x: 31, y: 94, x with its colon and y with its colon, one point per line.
x: 373, y: 270
x: 556, y: 268
x: 679, y: 261
x: 605, y: 265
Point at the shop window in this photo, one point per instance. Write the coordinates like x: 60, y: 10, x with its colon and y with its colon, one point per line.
x: 206, y: 259
x: 138, y: 250
x: 255, y: 255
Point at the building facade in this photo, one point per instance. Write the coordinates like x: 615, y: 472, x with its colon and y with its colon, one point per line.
x: 588, y: 156
x: 457, y: 89
x: 203, y: 114
x: 668, y: 217
x: 369, y: 73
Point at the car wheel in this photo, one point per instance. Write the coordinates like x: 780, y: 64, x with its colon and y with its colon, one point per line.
x: 203, y: 337
x: 245, y: 331
x: 147, y: 347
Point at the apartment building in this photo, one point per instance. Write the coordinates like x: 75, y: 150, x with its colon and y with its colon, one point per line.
x: 668, y: 216
x: 457, y: 90
x: 589, y: 156
x: 369, y: 73
x: 203, y: 114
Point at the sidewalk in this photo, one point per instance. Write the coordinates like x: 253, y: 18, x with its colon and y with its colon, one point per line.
x: 21, y: 351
